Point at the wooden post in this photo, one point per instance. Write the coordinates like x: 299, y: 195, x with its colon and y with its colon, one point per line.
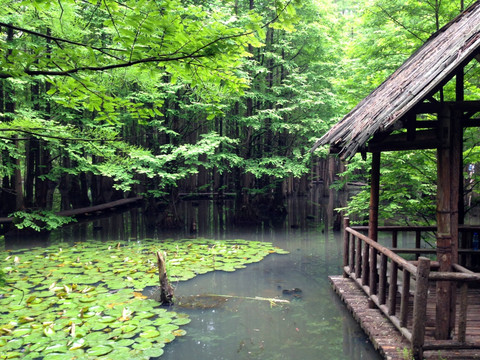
x: 382, y: 286
x: 365, y: 263
x: 352, y: 255
x: 166, y: 290
x: 405, y: 298
x: 392, y: 289
x: 418, y: 242
x: 448, y: 168
x: 346, y: 246
x: 358, y: 258
x: 373, y: 219
x: 460, y: 97
x: 462, y: 316
x: 456, y: 178
x: 420, y: 307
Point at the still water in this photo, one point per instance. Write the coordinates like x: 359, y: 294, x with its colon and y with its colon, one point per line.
x: 314, y: 324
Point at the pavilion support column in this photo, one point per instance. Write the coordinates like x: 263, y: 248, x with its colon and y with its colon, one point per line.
x: 460, y: 97
x: 447, y: 218
x: 373, y: 218
x: 374, y: 196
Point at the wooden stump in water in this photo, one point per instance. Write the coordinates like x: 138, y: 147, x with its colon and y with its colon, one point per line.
x: 166, y: 290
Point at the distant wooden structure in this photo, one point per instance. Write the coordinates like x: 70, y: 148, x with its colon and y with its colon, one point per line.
x: 392, y: 118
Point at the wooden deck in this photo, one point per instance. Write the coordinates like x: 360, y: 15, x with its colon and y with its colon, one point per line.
x: 388, y: 340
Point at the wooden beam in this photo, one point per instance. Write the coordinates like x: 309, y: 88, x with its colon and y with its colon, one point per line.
x: 424, y: 139
x: 436, y: 107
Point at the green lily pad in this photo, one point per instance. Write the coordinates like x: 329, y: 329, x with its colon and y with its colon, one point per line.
x: 144, y: 315
x: 14, y: 344
x: 99, y: 350
x: 107, y: 319
x: 181, y: 321
x: 13, y: 355
x: 55, y: 356
x: 154, y: 351
x: 142, y: 345
x: 56, y: 348
x: 124, y: 342
x: 121, y: 353
x: 78, y: 344
x: 21, y: 331
x: 150, y: 334
x: 128, y: 328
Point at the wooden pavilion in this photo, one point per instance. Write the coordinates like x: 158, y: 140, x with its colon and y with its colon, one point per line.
x: 430, y: 301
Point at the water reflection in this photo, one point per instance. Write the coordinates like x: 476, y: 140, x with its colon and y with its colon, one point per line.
x: 314, y: 325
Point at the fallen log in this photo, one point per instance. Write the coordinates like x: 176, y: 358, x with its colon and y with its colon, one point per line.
x: 87, y: 210
x: 92, y: 209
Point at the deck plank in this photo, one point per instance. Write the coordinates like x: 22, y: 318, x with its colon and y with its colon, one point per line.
x: 387, y: 339
x: 383, y: 335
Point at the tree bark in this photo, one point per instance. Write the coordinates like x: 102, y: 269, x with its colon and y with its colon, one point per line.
x: 166, y: 290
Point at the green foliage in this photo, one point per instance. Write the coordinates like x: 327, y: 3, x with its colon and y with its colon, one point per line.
x: 39, y: 220
x: 381, y: 35
x: 407, y: 189
x: 290, y: 101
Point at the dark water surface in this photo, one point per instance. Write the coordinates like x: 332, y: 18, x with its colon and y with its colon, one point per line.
x: 313, y: 325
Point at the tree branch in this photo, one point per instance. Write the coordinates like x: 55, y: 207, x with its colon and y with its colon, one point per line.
x: 391, y: 17
x: 36, y: 134
x: 61, y: 40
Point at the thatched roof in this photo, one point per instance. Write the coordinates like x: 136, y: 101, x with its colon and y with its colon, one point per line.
x: 430, y: 66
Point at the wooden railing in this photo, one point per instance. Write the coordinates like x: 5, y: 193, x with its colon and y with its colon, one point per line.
x: 400, y: 288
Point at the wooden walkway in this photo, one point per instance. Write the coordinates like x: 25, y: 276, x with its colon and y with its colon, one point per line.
x: 388, y: 340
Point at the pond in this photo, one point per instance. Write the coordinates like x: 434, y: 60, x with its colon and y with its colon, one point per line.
x: 310, y: 322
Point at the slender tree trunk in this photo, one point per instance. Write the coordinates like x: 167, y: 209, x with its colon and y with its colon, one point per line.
x: 65, y: 186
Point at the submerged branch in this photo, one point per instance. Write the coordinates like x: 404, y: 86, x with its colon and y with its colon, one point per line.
x: 259, y: 298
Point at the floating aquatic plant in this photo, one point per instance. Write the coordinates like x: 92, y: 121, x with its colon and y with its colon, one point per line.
x: 84, y: 300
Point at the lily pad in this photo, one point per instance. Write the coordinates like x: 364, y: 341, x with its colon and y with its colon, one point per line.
x: 142, y: 345
x: 181, y: 321
x: 99, y: 350
x: 150, y: 334
x: 154, y: 352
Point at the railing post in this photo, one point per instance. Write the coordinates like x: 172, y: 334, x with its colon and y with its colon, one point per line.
x: 462, y: 316
x: 395, y: 239
x: 392, y: 290
x: 382, y: 286
x: 373, y: 271
x: 346, y: 245
x: 358, y: 258
x: 418, y: 242
x: 365, y: 263
x: 352, y: 255
x: 420, y: 307
x: 405, y: 298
